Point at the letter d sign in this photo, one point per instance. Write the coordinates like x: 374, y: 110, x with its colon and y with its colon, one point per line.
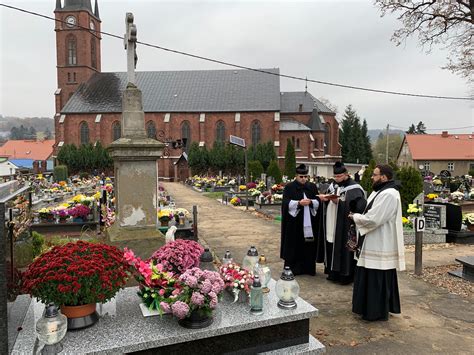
x: 420, y: 224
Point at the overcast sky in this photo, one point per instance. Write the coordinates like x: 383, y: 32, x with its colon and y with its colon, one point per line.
x: 337, y: 41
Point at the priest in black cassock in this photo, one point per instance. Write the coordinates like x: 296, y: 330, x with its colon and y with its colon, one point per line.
x: 301, y: 227
x: 339, y: 261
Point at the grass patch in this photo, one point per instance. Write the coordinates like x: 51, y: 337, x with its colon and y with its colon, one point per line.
x: 214, y: 195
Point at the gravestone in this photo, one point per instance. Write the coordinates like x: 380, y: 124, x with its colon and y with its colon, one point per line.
x: 135, y: 160
x: 428, y: 188
x: 467, y: 271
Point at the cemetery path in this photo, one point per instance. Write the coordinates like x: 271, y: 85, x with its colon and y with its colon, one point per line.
x: 432, y: 320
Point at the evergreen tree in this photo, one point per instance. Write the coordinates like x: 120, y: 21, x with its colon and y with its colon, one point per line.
x: 194, y: 158
x: 366, y: 181
x: 354, y: 140
x: 32, y: 133
x: 47, y: 134
x: 290, y: 160
x: 217, y: 158
x: 411, y: 129
x: 411, y: 186
x: 274, y: 171
x: 420, y: 128
x: 367, y: 146
x: 255, y: 170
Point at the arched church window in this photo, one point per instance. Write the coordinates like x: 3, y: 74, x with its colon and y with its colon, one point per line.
x: 84, y: 130
x: 93, y: 53
x: 327, y: 138
x: 151, y: 130
x: 116, y: 131
x: 256, y: 132
x: 186, y: 133
x: 220, y: 131
x: 71, y: 50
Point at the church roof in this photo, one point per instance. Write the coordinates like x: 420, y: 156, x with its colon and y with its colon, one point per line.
x: 78, y: 5
x: 291, y: 101
x: 293, y: 125
x: 181, y: 91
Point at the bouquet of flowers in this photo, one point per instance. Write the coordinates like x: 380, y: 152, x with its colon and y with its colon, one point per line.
x: 201, y: 291
x: 242, y: 187
x: 45, y: 213
x: 236, y: 278
x: 457, y: 196
x: 178, y: 256
x: 431, y: 196
x: 156, y: 285
x: 277, y: 197
x: 235, y: 201
x: 254, y: 192
x: 79, y: 211
x: 413, y: 210
x: 251, y: 185
x: 468, y: 218
x: 278, y: 188
x: 407, y: 223
x: 77, y: 274
x: 61, y: 211
x: 165, y: 215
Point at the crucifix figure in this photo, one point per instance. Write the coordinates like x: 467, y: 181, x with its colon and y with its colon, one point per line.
x: 130, y: 42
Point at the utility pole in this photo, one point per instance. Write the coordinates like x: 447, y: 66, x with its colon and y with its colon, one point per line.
x: 386, y: 148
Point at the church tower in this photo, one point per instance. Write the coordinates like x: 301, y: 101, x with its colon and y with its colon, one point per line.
x: 77, y: 46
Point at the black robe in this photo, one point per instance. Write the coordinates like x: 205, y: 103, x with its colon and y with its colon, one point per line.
x: 339, y: 261
x: 299, y: 254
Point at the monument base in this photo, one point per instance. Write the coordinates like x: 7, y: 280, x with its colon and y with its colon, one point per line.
x: 143, y: 241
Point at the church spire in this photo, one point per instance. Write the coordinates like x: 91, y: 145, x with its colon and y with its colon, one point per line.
x: 96, y: 10
x: 58, y: 4
x: 76, y: 5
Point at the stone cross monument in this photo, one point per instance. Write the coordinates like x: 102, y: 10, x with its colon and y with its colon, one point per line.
x: 135, y: 159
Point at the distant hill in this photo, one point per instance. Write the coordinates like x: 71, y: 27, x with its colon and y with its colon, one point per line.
x: 40, y: 124
x: 374, y: 133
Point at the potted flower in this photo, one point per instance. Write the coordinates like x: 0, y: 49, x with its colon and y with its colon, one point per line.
x: 468, y: 220
x: 164, y: 216
x: 156, y: 285
x: 178, y: 256
x: 61, y: 212
x: 236, y: 280
x: 77, y: 274
x: 235, y: 201
x: 197, y: 299
x: 46, y: 214
x: 79, y: 212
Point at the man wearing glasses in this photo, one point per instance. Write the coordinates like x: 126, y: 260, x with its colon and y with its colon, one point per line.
x: 349, y: 197
x: 301, y: 227
x: 382, y: 250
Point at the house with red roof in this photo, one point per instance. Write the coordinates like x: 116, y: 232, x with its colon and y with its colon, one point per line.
x: 437, y: 152
x: 30, y: 154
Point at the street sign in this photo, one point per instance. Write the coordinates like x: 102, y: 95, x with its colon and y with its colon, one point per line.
x: 420, y: 224
x: 237, y: 141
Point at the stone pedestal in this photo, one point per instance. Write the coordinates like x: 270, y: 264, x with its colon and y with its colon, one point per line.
x: 136, y: 172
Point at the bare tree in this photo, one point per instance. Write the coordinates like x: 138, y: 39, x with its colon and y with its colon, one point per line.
x: 445, y: 22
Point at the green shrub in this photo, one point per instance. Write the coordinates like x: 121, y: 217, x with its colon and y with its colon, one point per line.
x: 290, y: 160
x: 37, y: 243
x: 60, y: 173
x: 255, y: 169
x: 366, y: 181
x: 274, y: 171
x: 411, y: 186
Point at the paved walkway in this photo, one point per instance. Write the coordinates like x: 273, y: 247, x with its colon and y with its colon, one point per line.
x: 432, y: 320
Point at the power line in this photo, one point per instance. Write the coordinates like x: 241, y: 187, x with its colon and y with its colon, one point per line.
x: 353, y: 87
x: 435, y: 129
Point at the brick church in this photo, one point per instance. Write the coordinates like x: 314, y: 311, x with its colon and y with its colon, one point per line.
x: 201, y: 105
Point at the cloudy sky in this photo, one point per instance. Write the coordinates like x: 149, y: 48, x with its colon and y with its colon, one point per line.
x: 344, y: 42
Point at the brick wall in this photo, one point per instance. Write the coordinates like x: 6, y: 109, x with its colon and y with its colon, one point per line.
x: 70, y: 77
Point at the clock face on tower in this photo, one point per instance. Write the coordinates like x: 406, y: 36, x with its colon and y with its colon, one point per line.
x: 91, y: 25
x: 71, y: 21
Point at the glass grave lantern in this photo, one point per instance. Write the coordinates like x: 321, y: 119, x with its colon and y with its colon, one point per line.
x: 264, y: 273
x: 287, y: 289
x: 51, y: 329
x: 250, y: 259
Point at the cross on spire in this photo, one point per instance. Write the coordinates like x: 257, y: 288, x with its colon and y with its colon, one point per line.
x: 130, y: 43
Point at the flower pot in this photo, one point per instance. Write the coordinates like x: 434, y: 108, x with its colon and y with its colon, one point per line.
x: 79, y: 317
x: 196, y: 320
